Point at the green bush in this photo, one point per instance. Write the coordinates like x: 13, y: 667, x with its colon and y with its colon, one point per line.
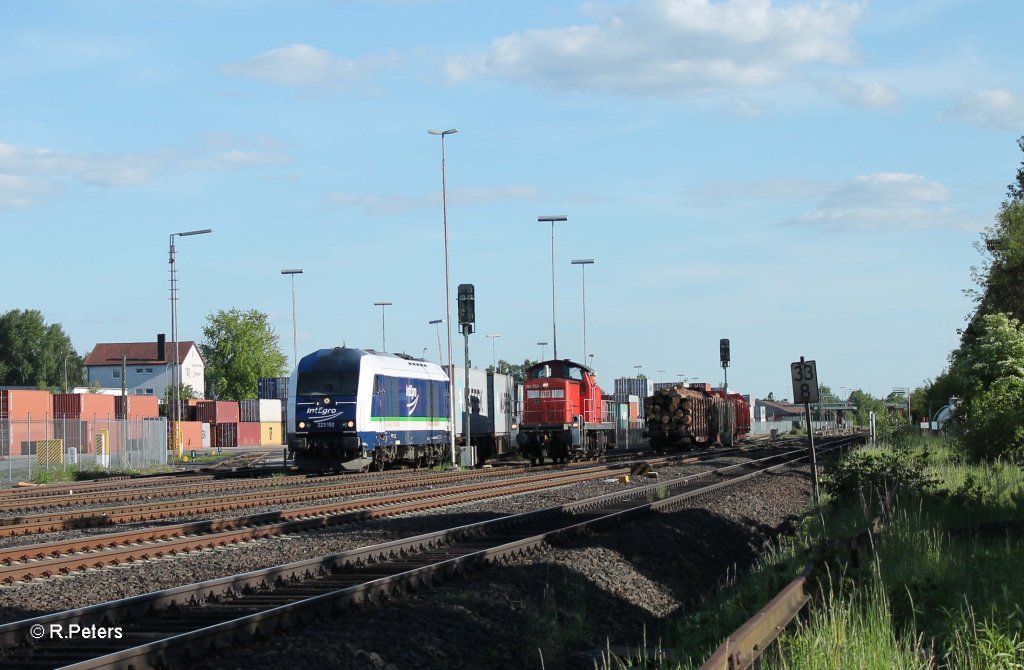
x: 867, y: 472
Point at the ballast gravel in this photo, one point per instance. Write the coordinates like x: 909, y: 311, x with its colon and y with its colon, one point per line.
x: 555, y: 608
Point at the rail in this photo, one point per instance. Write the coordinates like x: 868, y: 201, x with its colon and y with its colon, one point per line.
x: 745, y: 646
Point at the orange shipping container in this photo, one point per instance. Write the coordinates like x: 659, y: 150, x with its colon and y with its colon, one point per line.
x: 18, y: 405
x: 139, y: 406
x: 83, y: 406
x: 191, y: 435
x: 270, y: 433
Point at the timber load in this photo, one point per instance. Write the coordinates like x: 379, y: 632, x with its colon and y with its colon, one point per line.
x: 679, y: 416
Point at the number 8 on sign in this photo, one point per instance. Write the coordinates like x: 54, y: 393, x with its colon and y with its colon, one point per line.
x: 805, y: 381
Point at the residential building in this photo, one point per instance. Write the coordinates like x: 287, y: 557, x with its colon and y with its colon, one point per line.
x: 147, y: 366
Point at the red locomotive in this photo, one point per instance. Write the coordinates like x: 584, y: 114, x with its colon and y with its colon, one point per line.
x: 565, y: 414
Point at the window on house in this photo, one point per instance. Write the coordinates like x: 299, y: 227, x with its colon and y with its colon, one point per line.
x: 117, y: 374
x: 138, y: 391
x: 138, y: 370
x: 149, y: 391
x: 188, y: 372
x: 148, y: 370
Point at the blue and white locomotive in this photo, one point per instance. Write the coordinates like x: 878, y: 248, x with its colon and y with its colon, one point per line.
x: 353, y: 408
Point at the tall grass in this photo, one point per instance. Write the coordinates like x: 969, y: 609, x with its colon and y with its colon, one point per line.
x: 942, y: 589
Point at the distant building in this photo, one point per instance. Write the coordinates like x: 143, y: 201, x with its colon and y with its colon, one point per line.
x: 635, y: 386
x: 147, y: 366
x: 773, y: 410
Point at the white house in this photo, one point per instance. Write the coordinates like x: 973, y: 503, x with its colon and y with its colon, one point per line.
x: 147, y: 366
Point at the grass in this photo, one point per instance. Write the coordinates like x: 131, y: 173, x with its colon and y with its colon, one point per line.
x: 942, y: 589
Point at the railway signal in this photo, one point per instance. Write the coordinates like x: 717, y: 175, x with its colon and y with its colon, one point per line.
x: 467, y: 319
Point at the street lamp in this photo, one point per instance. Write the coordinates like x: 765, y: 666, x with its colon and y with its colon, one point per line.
x: 447, y: 293
x: 661, y: 376
x: 591, y: 361
x: 554, y: 333
x: 66, y: 372
x: 383, y: 333
x: 542, y: 345
x: 437, y: 328
x: 494, y: 359
x: 295, y: 345
x: 175, y: 394
x: 583, y: 263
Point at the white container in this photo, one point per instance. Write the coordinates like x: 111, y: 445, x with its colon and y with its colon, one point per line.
x: 270, y: 411
x: 206, y: 435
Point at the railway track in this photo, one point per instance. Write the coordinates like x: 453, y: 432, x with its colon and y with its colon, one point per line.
x: 170, y: 628
x: 65, y: 556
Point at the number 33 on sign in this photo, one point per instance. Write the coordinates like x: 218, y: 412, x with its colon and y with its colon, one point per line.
x: 805, y: 381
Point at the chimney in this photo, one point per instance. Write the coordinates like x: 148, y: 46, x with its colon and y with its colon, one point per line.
x: 161, y: 348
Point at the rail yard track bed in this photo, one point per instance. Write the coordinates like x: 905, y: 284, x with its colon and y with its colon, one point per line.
x: 625, y: 580
x: 23, y: 599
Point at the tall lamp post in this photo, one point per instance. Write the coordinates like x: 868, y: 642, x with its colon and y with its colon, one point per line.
x: 447, y: 294
x: 583, y: 263
x: 661, y: 376
x: 494, y: 359
x: 542, y: 345
x: 437, y: 327
x: 295, y: 340
x: 383, y: 331
x: 554, y: 332
x: 175, y: 395
x: 66, y: 372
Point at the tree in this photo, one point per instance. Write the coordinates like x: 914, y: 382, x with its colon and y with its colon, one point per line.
x: 239, y: 348
x: 1015, y: 191
x: 33, y: 353
x: 517, y: 372
x: 989, y: 374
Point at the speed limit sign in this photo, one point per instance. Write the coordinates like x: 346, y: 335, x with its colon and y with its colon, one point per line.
x: 805, y: 381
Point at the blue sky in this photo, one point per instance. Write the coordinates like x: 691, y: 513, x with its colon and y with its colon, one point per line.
x: 804, y: 178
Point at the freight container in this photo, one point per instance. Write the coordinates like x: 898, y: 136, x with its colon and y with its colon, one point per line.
x: 186, y: 409
x: 207, y: 442
x: 83, y: 406
x: 249, y: 434
x: 271, y: 411
x: 272, y: 388
x: 249, y: 410
x: 217, y: 411
x: 224, y: 435
x: 18, y: 405
x: 271, y: 433
x: 142, y: 407
x: 191, y: 435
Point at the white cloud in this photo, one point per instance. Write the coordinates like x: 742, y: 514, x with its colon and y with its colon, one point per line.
x: 394, y: 204
x: 872, y: 95
x: 991, y: 109
x: 27, y: 174
x: 305, y: 65
x: 673, y: 47
x: 886, y: 201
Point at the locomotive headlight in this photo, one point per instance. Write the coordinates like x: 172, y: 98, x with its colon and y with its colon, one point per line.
x: 351, y: 424
x: 302, y: 424
x: 327, y: 401
x: 544, y: 385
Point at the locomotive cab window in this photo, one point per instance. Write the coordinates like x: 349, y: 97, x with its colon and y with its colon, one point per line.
x: 327, y: 383
x: 541, y: 373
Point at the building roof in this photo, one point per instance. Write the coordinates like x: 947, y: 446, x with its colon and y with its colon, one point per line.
x: 781, y: 408
x: 137, y: 353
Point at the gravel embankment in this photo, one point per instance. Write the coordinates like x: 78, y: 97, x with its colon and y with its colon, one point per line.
x: 623, y: 580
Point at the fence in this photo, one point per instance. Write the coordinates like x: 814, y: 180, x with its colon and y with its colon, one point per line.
x: 96, y: 443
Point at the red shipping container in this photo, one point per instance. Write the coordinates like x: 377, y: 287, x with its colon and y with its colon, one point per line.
x: 139, y: 407
x: 18, y: 405
x: 83, y: 406
x: 249, y: 434
x: 217, y: 411
x: 224, y: 435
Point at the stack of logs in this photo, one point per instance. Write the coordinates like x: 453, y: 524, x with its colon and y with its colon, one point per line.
x: 671, y: 409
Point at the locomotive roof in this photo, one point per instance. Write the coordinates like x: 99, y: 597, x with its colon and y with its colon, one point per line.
x: 563, y: 361
x: 342, y: 358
